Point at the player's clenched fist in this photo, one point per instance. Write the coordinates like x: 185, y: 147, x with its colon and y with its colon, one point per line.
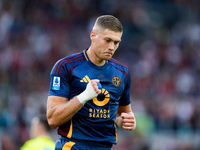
x: 128, y: 121
x: 91, y: 91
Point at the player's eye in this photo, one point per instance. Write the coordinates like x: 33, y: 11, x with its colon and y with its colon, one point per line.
x: 116, y: 43
x: 107, y: 41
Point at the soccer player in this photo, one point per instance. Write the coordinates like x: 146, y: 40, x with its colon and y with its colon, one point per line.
x: 40, y: 137
x: 89, y: 92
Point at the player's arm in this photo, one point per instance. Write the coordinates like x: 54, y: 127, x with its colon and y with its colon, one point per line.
x: 125, y: 118
x: 60, y: 110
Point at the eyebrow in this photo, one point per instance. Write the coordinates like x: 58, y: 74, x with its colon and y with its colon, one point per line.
x: 112, y: 39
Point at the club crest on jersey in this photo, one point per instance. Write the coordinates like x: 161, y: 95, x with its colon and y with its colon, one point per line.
x: 56, y: 83
x: 116, y: 81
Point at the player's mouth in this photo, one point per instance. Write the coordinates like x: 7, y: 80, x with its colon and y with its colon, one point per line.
x: 108, y: 54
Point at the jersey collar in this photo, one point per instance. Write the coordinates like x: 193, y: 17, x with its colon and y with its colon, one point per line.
x: 92, y: 64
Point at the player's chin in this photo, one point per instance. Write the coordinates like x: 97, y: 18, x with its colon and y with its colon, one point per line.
x: 107, y: 57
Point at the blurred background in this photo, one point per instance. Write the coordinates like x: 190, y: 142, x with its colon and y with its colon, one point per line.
x: 160, y: 45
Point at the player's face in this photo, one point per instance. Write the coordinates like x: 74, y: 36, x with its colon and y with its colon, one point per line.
x: 105, y: 43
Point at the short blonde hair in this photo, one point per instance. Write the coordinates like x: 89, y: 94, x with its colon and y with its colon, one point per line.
x: 108, y: 22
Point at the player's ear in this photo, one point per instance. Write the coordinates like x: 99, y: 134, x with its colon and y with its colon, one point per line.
x: 92, y: 35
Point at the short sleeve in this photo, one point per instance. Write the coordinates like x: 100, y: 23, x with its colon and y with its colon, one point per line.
x: 125, y: 98
x: 59, y: 82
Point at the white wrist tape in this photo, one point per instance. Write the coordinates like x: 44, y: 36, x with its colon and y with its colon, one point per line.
x: 88, y: 94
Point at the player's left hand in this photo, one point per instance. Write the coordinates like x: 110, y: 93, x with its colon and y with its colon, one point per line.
x: 128, y: 121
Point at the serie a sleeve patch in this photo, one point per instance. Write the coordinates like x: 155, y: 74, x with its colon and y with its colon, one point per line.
x: 56, y: 83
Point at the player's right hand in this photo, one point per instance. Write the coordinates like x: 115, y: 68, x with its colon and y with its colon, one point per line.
x: 91, y: 91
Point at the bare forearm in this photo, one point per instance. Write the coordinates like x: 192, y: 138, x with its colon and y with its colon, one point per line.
x: 61, y: 113
x: 60, y: 110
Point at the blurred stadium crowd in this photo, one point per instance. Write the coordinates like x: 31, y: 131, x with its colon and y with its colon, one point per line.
x: 160, y: 45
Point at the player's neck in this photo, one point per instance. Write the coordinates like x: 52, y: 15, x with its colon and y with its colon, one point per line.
x: 94, y: 58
